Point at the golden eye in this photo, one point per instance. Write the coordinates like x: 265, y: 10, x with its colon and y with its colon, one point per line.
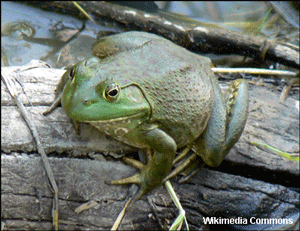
x: 112, y: 92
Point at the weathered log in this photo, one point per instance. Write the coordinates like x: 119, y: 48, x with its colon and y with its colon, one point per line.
x: 251, y: 182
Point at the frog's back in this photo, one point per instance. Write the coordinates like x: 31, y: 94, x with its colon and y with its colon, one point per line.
x: 176, y: 81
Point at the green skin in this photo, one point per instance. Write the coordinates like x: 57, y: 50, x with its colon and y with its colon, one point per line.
x: 147, y: 92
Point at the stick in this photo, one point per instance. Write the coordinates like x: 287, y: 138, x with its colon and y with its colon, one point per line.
x: 9, y: 83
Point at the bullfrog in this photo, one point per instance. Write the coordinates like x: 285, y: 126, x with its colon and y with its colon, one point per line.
x: 150, y: 93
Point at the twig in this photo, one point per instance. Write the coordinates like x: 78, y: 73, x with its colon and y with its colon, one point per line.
x: 286, y: 89
x: 260, y: 71
x: 120, y: 216
x: 83, y: 11
x: 9, y: 83
x: 292, y: 156
x: 86, y: 206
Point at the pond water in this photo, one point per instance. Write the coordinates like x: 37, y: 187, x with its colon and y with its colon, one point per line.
x: 46, y: 25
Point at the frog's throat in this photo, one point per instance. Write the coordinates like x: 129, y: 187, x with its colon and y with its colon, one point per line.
x: 120, y: 127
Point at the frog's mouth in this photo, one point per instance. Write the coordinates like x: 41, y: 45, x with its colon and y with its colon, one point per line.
x: 124, y: 120
x: 103, y: 116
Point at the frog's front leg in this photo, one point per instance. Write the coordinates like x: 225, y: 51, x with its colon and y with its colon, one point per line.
x: 159, y: 165
x: 58, y: 93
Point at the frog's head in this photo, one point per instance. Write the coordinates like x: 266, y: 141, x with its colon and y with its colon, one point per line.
x: 89, y: 95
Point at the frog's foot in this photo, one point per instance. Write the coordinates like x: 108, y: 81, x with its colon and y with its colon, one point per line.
x: 138, y: 179
x: 182, y: 166
x: 184, y: 161
x: 182, y: 154
x: 191, y: 170
x: 134, y: 163
x: 135, y: 179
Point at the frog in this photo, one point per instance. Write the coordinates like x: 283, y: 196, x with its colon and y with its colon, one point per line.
x: 147, y: 92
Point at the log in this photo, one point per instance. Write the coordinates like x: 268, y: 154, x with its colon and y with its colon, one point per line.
x: 250, y: 183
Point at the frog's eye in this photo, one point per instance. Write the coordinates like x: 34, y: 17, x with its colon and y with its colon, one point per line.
x: 112, y: 92
x: 72, y: 73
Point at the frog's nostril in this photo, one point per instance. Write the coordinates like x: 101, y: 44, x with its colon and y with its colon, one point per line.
x: 86, y: 102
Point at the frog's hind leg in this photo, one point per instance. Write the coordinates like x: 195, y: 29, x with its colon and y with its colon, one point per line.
x: 213, y: 137
x: 225, y: 125
x: 237, y: 104
x: 222, y: 132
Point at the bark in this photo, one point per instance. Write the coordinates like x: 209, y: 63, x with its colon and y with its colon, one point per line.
x: 251, y: 182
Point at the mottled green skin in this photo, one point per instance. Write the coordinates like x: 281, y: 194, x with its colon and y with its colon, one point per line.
x: 163, y: 99
x: 176, y: 82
